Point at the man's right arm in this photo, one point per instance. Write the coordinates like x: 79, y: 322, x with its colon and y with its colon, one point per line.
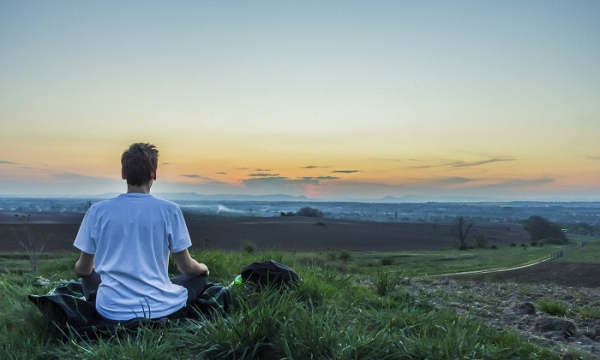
x: 187, y: 265
x: 85, y: 264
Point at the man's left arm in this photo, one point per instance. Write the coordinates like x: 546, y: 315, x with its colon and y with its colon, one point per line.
x: 187, y: 265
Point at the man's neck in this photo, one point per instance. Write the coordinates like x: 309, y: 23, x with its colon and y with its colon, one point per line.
x: 142, y: 189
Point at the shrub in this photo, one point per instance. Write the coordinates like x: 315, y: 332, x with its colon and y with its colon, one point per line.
x: 540, y: 228
x: 310, y: 212
x: 553, y: 241
x: 494, y: 247
x: 384, y: 282
x: 309, y: 260
x: 345, y: 256
x: 331, y: 255
x: 248, y: 247
x: 480, y: 240
x: 513, y: 245
x: 533, y: 243
x: 387, y: 261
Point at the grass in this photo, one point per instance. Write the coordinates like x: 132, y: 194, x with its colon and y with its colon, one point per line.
x: 331, y: 314
x: 384, y: 282
x: 589, y: 255
x: 19, y: 262
x: 422, y: 263
x: 589, y: 313
x: 552, y: 307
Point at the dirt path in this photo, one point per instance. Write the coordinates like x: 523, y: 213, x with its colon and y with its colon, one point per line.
x: 511, y: 268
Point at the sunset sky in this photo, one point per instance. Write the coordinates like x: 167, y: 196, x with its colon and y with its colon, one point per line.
x: 327, y: 99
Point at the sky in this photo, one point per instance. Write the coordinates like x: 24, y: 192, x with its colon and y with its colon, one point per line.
x: 327, y: 99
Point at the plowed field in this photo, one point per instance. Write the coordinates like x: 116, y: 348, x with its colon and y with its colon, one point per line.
x: 281, y: 233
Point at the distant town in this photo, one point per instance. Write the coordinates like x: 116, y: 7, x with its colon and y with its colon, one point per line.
x: 582, y: 218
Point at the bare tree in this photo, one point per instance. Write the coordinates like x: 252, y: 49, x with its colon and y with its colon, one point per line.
x: 29, y: 241
x: 460, y: 229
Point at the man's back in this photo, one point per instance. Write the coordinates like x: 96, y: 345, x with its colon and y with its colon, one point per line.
x: 131, y: 236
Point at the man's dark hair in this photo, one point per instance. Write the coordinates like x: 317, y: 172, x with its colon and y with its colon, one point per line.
x: 139, y: 162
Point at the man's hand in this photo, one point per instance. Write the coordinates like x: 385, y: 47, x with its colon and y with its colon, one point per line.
x: 187, y: 265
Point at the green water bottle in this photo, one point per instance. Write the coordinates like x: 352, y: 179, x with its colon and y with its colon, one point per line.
x: 236, y: 281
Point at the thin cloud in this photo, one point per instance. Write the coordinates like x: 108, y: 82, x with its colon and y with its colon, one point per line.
x: 279, y: 182
x: 191, y: 176
x: 221, y: 173
x: 397, y: 160
x: 594, y: 157
x: 262, y: 170
x: 263, y: 175
x: 525, y: 182
x: 436, y: 182
x: 346, y: 171
x: 446, y: 181
x: 69, y: 177
x: 445, y: 187
x: 321, y: 178
x: 315, y: 167
x: 460, y: 163
x: 204, y: 179
x: 63, y: 183
x: 277, y: 185
x: 427, y: 166
x: 478, y: 163
x: 476, y: 183
x: 4, y: 162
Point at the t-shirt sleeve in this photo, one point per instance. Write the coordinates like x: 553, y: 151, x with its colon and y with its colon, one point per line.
x: 84, y: 240
x: 180, y: 236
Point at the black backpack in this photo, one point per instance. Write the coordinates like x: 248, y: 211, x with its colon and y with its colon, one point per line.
x: 269, y: 273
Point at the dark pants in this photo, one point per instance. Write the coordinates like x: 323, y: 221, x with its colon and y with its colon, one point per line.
x: 195, y: 285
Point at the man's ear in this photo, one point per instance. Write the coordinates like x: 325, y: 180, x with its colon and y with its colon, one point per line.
x: 123, y: 175
x: 154, y: 175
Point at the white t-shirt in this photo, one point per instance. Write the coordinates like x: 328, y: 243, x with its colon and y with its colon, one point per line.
x: 131, y: 236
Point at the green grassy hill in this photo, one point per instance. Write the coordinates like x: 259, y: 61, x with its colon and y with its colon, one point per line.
x: 348, y: 306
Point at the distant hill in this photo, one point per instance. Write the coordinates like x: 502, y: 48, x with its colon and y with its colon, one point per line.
x: 441, y: 199
x: 229, y: 197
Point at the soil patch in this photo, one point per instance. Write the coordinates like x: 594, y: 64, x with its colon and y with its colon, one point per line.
x: 314, y: 234
x: 509, y: 300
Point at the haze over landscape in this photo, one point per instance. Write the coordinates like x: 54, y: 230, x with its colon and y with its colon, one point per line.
x: 328, y: 100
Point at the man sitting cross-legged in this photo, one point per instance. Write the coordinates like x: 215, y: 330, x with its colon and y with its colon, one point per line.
x: 125, y: 244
